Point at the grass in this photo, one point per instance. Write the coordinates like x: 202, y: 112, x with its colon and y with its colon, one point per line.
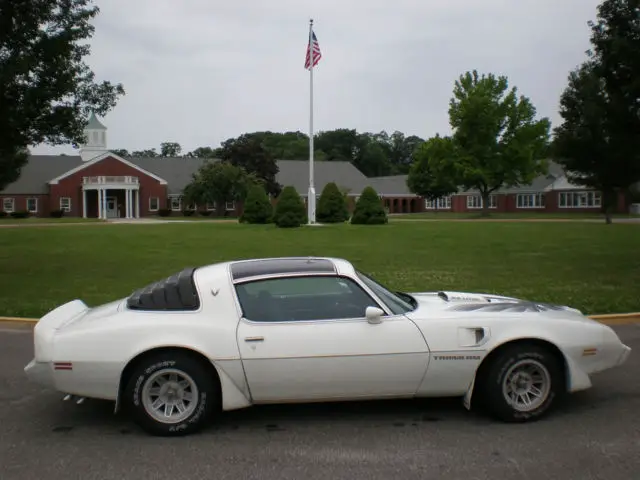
x: 37, y: 220
x: 591, y: 266
x: 517, y: 215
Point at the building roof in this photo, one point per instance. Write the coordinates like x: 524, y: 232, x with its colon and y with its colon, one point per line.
x: 178, y: 171
x: 94, y: 123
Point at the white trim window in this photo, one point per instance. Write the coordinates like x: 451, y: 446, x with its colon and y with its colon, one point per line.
x: 32, y: 205
x: 210, y: 207
x: 530, y: 200
x: 579, y: 200
x: 8, y: 204
x: 475, y: 201
x: 175, y: 203
x: 231, y: 205
x: 441, y: 203
x: 154, y: 204
x: 65, y: 204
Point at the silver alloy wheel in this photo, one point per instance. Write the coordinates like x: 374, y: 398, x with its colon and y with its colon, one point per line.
x: 169, y: 395
x: 526, y: 385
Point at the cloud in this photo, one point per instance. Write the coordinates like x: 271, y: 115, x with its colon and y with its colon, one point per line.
x: 199, y: 71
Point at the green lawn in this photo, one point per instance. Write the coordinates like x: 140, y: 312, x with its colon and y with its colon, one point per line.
x: 37, y: 220
x: 507, y: 216
x: 592, y: 266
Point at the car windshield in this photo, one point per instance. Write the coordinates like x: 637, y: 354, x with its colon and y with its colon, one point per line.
x: 398, y: 302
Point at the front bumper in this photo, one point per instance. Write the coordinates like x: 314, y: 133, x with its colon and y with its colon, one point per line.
x: 40, y: 372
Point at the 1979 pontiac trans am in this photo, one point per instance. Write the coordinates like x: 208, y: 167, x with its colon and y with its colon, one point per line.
x: 231, y: 335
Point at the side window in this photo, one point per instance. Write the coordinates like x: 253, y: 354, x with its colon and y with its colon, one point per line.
x: 302, y: 299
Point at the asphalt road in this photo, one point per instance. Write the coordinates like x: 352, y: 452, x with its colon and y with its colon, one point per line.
x: 595, y: 436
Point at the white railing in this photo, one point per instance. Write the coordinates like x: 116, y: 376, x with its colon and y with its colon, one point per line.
x: 121, y: 179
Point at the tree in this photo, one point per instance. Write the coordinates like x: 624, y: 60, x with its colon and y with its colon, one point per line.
x: 496, y: 139
x: 249, y: 153
x: 149, y: 153
x: 123, y: 152
x: 598, y: 142
x: 257, y: 206
x: 290, y: 211
x: 369, y: 209
x: 202, y: 152
x: 170, y: 149
x: 48, y: 92
x: 218, y: 182
x: 332, y: 207
x: 432, y: 175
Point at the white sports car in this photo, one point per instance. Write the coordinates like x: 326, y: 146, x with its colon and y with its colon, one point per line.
x: 230, y: 335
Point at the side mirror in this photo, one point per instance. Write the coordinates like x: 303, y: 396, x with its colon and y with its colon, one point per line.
x: 374, y: 314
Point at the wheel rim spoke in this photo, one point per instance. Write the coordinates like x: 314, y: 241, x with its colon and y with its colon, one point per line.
x: 169, y: 396
x: 526, y: 385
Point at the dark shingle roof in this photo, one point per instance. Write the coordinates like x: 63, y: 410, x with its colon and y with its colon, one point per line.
x: 178, y: 171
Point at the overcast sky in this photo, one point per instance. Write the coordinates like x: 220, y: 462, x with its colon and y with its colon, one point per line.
x: 198, y: 72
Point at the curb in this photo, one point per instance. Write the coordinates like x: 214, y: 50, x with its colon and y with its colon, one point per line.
x: 607, y: 319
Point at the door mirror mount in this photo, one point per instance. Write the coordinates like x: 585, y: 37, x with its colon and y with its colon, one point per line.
x: 374, y: 314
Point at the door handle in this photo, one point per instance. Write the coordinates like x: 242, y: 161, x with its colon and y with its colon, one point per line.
x: 254, y: 339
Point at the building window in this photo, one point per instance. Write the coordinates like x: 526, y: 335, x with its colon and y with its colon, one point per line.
x: 65, y: 204
x: 210, y: 207
x: 530, y: 200
x: 231, y: 205
x: 8, y: 205
x: 475, y: 201
x: 192, y: 206
x: 440, y: 203
x: 32, y: 205
x: 579, y: 200
x: 175, y: 203
x: 154, y: 204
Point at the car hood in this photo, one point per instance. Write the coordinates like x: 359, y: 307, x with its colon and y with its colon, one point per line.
x: 458, y: 304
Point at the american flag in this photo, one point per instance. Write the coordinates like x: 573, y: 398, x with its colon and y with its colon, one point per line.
x: 316, y: 52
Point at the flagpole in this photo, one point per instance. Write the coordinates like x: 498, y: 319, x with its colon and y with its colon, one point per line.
x: 311, y: 195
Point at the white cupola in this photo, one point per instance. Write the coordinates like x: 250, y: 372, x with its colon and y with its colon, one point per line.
x: 96, y: 139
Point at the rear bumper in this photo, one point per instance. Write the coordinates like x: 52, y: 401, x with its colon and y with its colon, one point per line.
x: 626, y: 351
x: 40, y: 372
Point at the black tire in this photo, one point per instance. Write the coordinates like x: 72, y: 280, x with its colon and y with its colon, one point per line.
x: 490, y: 389
x: 206, y: 404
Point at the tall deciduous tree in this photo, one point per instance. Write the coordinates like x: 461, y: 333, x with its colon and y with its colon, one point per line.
x: 170, y: 149
x: 219, y: 182
x: 47, y: 90
x: 248, y: 152
x: 598, y: 141
x: 432, y: 175
x: 497, y: 140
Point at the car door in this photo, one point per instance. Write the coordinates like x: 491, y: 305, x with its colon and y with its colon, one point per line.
x: 306, y: 338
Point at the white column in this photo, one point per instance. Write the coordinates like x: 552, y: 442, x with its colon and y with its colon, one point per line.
x: 84, y: 203
x: 126, y: 203
x: 104, y: 203
x: 137, y: 203
x: 99, y: 202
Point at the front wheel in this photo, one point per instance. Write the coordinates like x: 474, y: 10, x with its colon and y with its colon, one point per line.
x: 522, y: 384
x: 171, y: 394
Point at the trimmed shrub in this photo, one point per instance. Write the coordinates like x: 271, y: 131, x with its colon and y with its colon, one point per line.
x: 20, y: 214
x: 257, y: 207
x: 332, y: 206
x: 56, y: 213
x: 164, y: 212
x: 3, y: 214
x: 188, y: 212
x: 369, y: 209
x: 205, y: 213
x: 290, y: 211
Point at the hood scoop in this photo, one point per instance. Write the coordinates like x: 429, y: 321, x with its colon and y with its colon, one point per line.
x: 462, y: 297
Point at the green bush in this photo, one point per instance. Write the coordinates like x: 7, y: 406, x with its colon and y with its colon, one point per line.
x: 332, y: 207
x: 3, y: 214
x: 56, y: 213
x: 188, y: 212
x: 20, y: 214
x: 369, y: 209
x: 257, y: 206
x: 164, y: 212
x: 290, y: 211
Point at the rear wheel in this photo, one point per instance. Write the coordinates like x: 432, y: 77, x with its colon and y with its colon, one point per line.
x: 522, y: 383
x: 171, y: 394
